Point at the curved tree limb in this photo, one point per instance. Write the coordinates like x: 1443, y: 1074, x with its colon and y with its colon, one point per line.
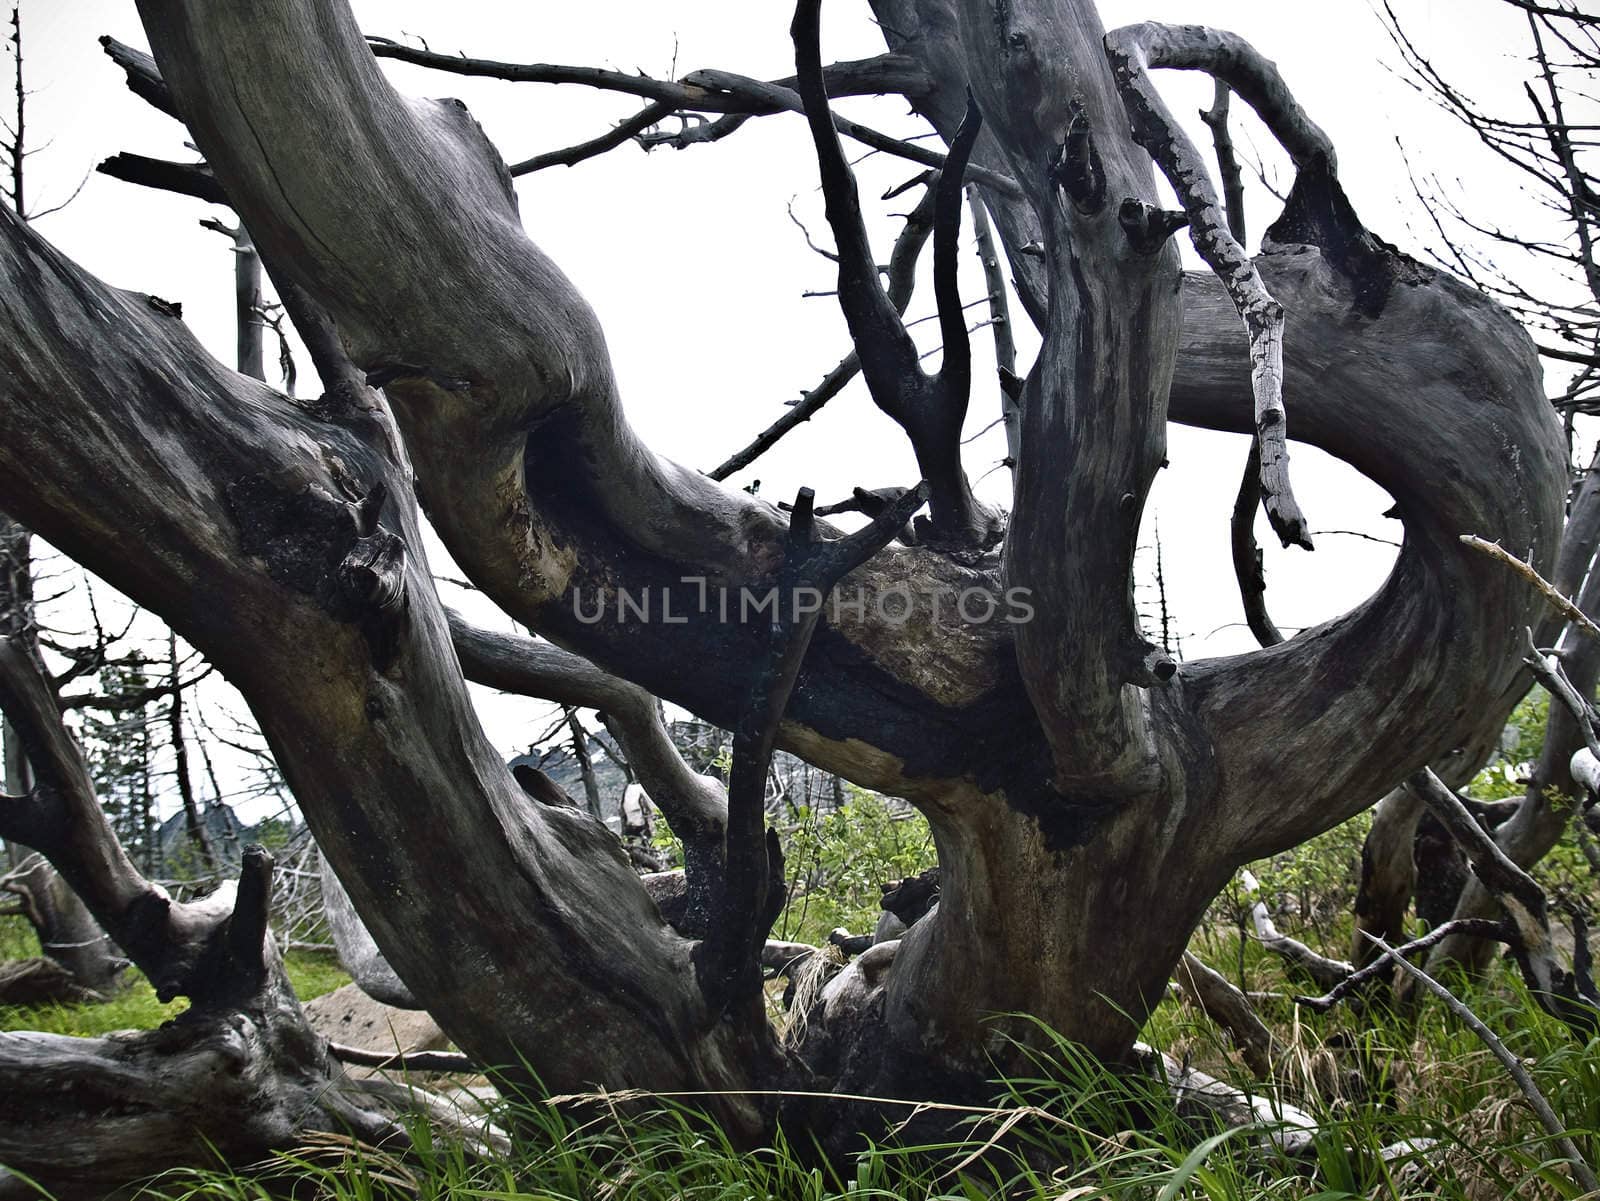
x: 239, y: 1073
x: 505, y: 398
x: 1340, y: 396
x: 1378, y: 966
x: 695, y: 806
x: 1247, y: 568
x: 266, y: 507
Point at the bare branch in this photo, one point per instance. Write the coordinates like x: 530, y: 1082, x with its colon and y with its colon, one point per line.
x: 1229, y: 1008
x: 633, y: 127
x: 1556, y: 990
x: 143, y: 77
x: 1560, y: 603
x: 16, y: 151
x: 1513, y: 1065
x: 1299, y: 957
x: 409, y: 1061
x: 1378, y: 969
x: 704, y: 91
x: 727, y: 962
x: 930, y: 409
x: 186, y: 179
x: 901, y: 280
x: 1005, y: 349
x: 1247, y: 569
x: 1216, y: 119
x: 1134, y: 51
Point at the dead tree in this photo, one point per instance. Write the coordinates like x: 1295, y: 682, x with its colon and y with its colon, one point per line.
x: 238, y: 1074
x: 1549, y: 144
x: 1089, y: 795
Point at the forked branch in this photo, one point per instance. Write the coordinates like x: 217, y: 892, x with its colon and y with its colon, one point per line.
x: 902, y: 276
x: 737, y: 97
x: 931, y: 409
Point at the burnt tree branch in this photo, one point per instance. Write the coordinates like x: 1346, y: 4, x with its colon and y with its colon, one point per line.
x: 899, y: 282
x: 1135, y: 50
x: 930, y: 409
x: 728, y: 960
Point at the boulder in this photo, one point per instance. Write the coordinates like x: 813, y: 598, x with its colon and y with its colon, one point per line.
x: 350, y: 1017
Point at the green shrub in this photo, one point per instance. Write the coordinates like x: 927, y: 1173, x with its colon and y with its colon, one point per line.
x: 836, y: 862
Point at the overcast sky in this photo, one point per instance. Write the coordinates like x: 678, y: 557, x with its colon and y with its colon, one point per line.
x: 697, y: 272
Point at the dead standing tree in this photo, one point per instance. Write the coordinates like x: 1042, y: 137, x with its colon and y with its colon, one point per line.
x: 1088, y: 795
x: 1550, y: 142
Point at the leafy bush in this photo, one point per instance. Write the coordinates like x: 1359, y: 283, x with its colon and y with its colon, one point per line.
x: 837, y: 860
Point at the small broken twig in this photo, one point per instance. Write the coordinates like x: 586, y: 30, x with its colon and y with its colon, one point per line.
x: 1563, y: 604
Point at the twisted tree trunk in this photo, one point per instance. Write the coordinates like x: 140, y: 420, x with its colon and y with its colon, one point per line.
x: 1088, y: 795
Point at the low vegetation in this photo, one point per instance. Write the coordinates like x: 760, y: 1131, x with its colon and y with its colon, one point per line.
x: 1406, y: 1104
x: 136, y: 1006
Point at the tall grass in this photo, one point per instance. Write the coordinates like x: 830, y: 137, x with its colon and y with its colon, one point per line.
x: 1067, y: 1129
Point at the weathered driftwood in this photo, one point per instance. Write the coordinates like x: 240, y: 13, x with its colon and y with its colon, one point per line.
x: 1209, y: 991
x: 1300, y: 959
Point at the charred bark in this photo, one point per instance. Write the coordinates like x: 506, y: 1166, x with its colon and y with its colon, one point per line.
x: 235, y: 1076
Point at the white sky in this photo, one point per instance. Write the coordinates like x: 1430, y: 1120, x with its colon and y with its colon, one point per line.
x: 696, y: 271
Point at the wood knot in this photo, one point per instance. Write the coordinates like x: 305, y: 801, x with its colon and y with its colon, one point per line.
x: 1148, y: 227
x: 374, y: 572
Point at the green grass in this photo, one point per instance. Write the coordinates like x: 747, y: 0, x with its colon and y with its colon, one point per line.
x: 135, y: 1007
x: 17, y: 939
x: 1067, y: 1129
x: 314, y: 973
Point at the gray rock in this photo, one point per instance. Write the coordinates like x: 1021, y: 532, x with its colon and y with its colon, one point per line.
x: 348, y: 1016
